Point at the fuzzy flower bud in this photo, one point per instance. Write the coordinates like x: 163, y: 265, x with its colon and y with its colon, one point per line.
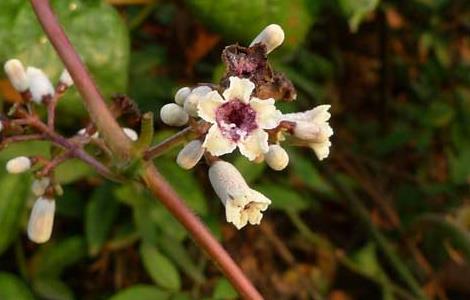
x: 41, y: 220
x: 131, y: 134
x: 65, y: 78
x: 277, y: 158
x: 272, y: 36
x: 18, y: 165
x: 181, y: 95
x: 39, y: 84
x: 39, y: 186
x: 243, y: 205
x: 17, y: 75
x: 192, y: 100
x: 190, y: 155
x: 173, y: 115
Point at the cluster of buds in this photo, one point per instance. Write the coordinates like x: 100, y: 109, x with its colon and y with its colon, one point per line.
x: 240, y: 113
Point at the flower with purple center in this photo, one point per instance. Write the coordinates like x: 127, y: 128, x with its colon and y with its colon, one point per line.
x: 238, y: 119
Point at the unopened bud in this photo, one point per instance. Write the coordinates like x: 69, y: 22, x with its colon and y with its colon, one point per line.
x: 1, y: 126
x: 173, y: 115
x: 18, y: 165
x: 17, y: 75
x: 272, y: 37
x: 39, y: 186
x: 39, y: 84
x: 181, y: 95
x: 41, y: 220
x: 190, y: 155
x: 277, y: 158
x: 131, y: 134
x: 192, y: 101
x: 65, y: 78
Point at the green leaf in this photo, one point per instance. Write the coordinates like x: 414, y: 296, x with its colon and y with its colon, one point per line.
x: 73, y: 170
x: 357, y: 10
x: 241, y: 21
x: 13, y: 288
x: 52, y: 289
x: 14, y: 190
x: 100, y: 213
x: 141, y: 292
x: 224, y: 290
x: 248, y: 169
x: 283, y: 198
x: 307, y: 172
x: 160, y: 268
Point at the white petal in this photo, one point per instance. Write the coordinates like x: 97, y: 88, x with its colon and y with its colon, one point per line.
x: 216, y: 143
x: 239, y: 89
x: 207, y: 106
x: 192, y: 100
x: 322, y: 150
x: 255, y: 144
x: 131, y: 134
x: 319, y: 114
x: 267, y: 116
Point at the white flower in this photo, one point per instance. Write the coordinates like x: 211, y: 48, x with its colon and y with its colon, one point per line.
x: 39, y: 186
x: 17, y: 75
x: 18, y: 165
x: 173, y: 115
x: 39, y: 84
x: 65, y: 78
x: 243, y: 205
x: 181, y: 95
x: 192, y: 100
x: 272, y: 36
x: 131, y: 134
x: 312, y: 126
x: 41, y: 220
x: 238, y: 120
x: 190, y: 155
x: 277, y: 158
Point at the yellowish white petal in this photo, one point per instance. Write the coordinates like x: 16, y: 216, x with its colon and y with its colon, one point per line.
x: 255, y: 144
x: 239, y: 88
x: 267, y: 116
x: 216, y: 143
x: 207, y: 106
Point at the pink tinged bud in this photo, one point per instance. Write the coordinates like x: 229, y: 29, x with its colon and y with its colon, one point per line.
x: 18, y: 165
x: 39, y: 85
x: 39, y: 186
x: 173, y: 115
x: 272, y: 37
x: 277, y: 158
x: 181, y: 95
x: 192, y: 100
x: 17, y: 75
x: 65, y: 78
x: 41, y: 220
x: 131, y: 134
x: 190, y: 155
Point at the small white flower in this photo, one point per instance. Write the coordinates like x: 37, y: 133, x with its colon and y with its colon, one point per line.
x: 39, y: 84
x: 39, y: 186
x: 41, y: 220
x: 17, y: 75
x: 131, y: 134
x: 65, y: 78
x: 272, y: 36
x: 181, y: 95
x: 18, y: 165
x: 238, y: 120
x: 192, y: 100
x: 277, y: 158
x: 243, y: 205
x: 190, y: 155
x: 84, y: 133
x: 312, y: 126
x: 173, y: 115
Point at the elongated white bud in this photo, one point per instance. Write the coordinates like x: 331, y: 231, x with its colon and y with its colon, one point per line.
x: 39, y: 85
x: 181, y: 95
x: 65, y: 78
x: 173, y: 115
x: 131, y: 134
x: 272, y: 36
x: 277, y: 158
x: 41, y: 220
x: 17, y: 75
x: 39, y: 186
x: 192, y: 100
x: 190, y: 155
x: 18, y: 165
x: 1, y: 126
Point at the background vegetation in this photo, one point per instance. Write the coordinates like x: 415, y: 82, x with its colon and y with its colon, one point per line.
x: 386, y: 216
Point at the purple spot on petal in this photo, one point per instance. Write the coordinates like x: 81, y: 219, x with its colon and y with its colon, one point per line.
x: 236, y: 119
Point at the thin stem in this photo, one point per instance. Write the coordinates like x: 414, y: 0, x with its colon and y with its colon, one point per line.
x: 22, y: 138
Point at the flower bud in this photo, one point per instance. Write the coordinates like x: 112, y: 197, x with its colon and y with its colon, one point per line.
x: 41, y: 220
x: 190, y: 155
x: 192, y: 101
x: 18, y: 165
x: 131, y: 134
x: 181, y: 95
x: 39, y: 84
x: 277, y: 158
x: 39, y: 186
x: 173, y: 115
x: 272, y: 36
x: 65, y: 78
x: 17, y: 75
x: 1, y: 126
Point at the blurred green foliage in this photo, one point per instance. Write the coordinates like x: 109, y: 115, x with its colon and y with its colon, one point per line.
x: 382, y: 218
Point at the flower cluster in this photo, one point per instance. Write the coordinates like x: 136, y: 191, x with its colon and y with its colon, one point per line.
x: 241, y: 113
